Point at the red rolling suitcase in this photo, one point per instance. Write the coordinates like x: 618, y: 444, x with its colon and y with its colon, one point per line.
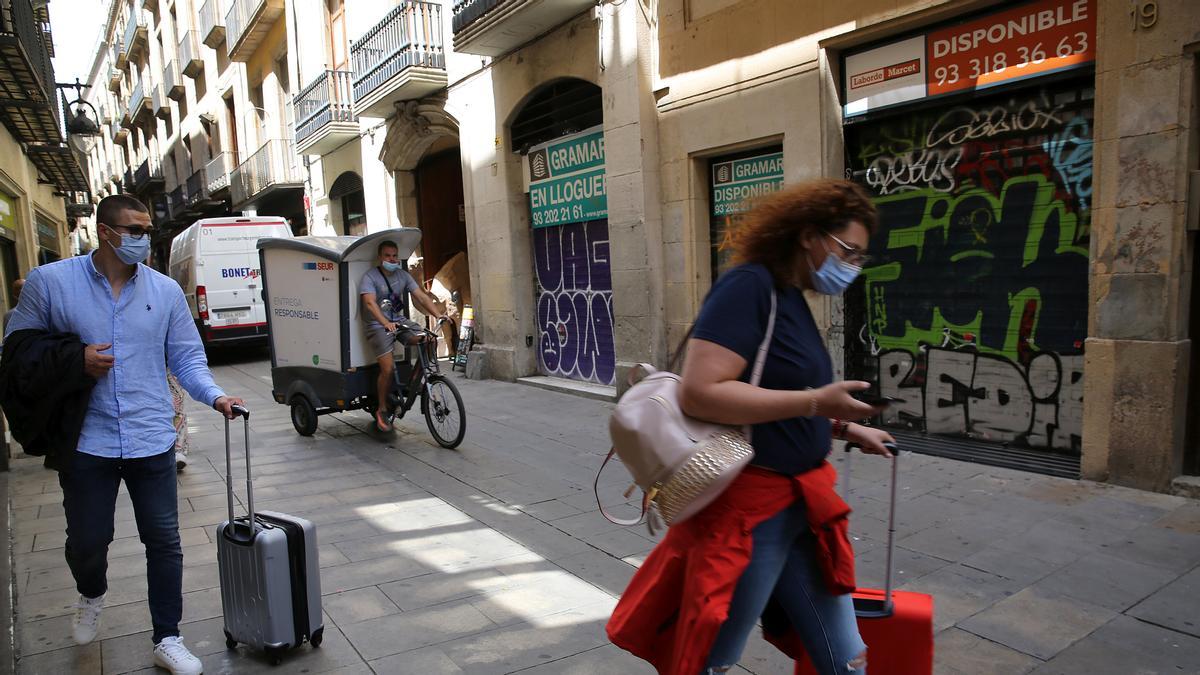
x: 896, y: 625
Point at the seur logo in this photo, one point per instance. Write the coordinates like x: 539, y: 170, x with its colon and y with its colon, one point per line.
x: 323, y: 266
x: 239, y: 273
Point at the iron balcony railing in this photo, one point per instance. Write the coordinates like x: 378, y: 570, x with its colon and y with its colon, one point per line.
x: 136, y: 29
x: 467, y: 11
x: 177, y: 201
x: 196, y: 189
x: 149, y: 170
x: 410, y: 35
x: 273, y: 164
x: 159, y: 102
x: 212, y: 23
x: 326, y: 100
x: 17, y: 18
x: 190, y: 58
x: 237, y: 19
x: 136, y: 100
x: 217, y: 171
x: 173, y: 81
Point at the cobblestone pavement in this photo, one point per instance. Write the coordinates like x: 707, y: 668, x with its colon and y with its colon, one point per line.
x: 494, y: 559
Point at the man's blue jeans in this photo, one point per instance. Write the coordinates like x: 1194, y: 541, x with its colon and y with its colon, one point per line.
x: 784, y: 563
x: 90, y: 498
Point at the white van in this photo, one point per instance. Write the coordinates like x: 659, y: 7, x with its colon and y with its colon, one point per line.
x: 216, y: 263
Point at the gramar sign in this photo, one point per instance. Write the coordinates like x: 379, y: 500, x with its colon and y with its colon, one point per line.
x: 566, y: 180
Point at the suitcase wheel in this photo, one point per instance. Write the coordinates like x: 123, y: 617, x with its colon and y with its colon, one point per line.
x: 317, y: 637
x: 274, y: 656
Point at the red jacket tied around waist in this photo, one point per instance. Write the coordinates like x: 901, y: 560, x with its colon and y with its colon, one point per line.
x: 675, y: 604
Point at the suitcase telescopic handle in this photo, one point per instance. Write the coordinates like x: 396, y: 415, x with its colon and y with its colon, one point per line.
x: 885, y: 609
x: 244, y: 413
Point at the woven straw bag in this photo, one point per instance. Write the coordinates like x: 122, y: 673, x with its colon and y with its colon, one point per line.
x: 681, y: 463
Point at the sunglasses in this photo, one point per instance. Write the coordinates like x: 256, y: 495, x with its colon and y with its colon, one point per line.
x: 137, y: 233
x: 851, y: 254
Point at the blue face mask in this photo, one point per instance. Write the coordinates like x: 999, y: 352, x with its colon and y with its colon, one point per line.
x: 391, y: 266
x: 834, y: 276
x: 133, y: 251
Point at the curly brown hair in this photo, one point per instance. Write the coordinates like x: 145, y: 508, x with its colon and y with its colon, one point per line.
x: 770, y: 233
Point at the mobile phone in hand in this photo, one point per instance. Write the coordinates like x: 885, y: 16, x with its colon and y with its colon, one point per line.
x: 875, y: 399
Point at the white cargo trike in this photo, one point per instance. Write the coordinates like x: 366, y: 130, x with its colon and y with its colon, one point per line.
x: 321, y: 361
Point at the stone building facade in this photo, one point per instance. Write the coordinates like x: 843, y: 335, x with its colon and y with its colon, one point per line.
x: 575, y: 168
x: 1031, y: 299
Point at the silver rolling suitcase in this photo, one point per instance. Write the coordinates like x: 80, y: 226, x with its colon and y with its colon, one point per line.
x: 270, y: 574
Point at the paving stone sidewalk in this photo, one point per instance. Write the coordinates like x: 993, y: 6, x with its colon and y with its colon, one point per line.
x: 494, y: 559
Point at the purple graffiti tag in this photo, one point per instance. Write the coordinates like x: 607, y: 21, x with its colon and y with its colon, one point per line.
x: 575, y: 302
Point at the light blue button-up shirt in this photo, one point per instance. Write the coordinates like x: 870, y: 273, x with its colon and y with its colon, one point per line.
x: 149, y: 327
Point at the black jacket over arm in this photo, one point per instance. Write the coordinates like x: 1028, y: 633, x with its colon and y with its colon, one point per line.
x: 45, y: 393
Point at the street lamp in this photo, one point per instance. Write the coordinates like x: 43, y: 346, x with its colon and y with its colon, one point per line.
x: 82, y: 129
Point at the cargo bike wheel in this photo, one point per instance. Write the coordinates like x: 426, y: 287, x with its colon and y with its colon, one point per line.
x: 443, y: 407
x: 304, y: 416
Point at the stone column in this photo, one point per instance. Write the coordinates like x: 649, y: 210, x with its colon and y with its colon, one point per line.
x: 1136, y: 357
x: 634, y: 202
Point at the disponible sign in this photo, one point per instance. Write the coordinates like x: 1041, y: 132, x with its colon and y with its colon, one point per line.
x: 739, y: 180
x: 1031, y: 39
x: 566, y: 180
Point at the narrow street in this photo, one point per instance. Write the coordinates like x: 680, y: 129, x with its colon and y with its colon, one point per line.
x: 494, y: 559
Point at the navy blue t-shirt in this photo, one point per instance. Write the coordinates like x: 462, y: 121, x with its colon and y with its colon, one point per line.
x: 735, y: 316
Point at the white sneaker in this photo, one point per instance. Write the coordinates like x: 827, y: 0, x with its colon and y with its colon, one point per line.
x: 170, y: 653
x: 86, y: 623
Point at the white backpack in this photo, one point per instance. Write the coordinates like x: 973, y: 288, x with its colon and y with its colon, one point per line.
x: 682, y: 464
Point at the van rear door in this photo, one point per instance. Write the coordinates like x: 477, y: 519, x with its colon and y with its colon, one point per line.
x: 231, y: 272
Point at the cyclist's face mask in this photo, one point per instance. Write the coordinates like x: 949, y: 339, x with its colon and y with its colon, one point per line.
x: 390, y: 266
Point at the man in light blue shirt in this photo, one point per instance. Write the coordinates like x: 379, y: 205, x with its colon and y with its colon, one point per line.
x: 135, y: 322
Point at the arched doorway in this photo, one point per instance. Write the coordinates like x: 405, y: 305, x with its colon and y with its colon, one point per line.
x: 559, y: 130
x: 422, y: 152
x: 347, y: 194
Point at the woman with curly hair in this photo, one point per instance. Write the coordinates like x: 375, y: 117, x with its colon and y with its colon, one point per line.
x: 774, y: 544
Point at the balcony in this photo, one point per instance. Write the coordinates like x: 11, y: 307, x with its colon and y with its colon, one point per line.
x: 399, y: 59
x: 189, y: 54
x: 173, y: 82
x: 271, y: 169
x: 212, y: 23
x: 120, y: 132
x: 149, y: 173
x: 136, y: 30
x: 120, y: 56
x: 28, y: 98
x: 496, y: 27
x: 325, y: 114
x: 197, y: 190
x: 247, y: 23
x: 139, y: 105
x: 150, y: 5
x: 216, y: 173
x: 177, y: 202
x: 160, y: 104
x: 115, y: 75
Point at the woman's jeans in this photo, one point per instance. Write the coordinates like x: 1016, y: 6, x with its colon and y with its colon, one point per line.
x: 784, y: 562
x: 90, y: 498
